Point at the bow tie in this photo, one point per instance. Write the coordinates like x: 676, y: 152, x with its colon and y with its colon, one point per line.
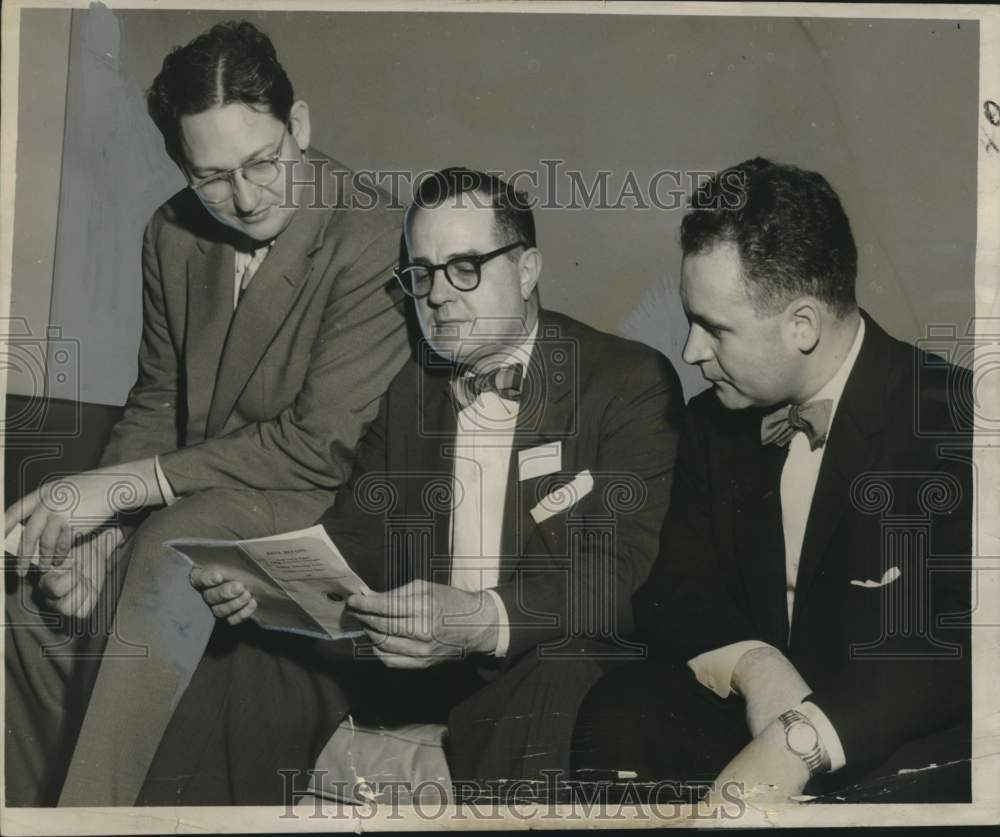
x: 505, y: 381
x: 812, y: 418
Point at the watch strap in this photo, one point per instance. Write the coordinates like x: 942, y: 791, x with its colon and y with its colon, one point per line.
x: 815, y: 759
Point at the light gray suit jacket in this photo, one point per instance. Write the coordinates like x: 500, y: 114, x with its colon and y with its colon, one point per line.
x: 275, y: 395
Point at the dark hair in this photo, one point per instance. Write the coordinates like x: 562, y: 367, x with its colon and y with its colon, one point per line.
x: 233, y: 62
x: 511, y: 208
x: 791, y: 232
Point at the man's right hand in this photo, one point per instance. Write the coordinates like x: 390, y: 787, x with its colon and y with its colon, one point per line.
x: 68, y: 508
x: 228, y: 600
x: 73, y: 587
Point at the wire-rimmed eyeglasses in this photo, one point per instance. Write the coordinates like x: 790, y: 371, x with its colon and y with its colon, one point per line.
x: 218, y: 188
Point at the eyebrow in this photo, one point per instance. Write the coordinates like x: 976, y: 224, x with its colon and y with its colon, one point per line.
x: 208, y: 171
x: 459, y: 255
x: 705, y: 322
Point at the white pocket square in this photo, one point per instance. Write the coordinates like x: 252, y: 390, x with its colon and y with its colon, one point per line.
x: 890, y: 576
x: 564, y: 497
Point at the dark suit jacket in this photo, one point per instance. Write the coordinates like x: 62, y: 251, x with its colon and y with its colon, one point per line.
x: 614, y: 405
x: 276, y: 395
x: 894, y: 490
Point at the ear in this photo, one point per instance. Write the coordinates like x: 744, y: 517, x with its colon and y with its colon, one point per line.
x: 530, y: 268
x: 298, y: 124
x: 806, y: 323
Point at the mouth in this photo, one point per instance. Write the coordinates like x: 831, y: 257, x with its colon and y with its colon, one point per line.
x: 447, y: 328
x: 256, y: 217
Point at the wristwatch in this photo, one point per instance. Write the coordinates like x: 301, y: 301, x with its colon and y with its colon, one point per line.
x: 802, y: 739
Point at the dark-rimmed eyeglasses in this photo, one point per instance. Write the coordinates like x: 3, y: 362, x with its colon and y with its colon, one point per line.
x: 463, y: 272
x: 218, y: 188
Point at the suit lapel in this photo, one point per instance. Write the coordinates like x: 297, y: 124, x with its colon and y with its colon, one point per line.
x: 264, y: 309
x: 754, y: 472
x: 545, y: 415
x: 210, y: 271
x: 430, y: 459
x: 850, y: 452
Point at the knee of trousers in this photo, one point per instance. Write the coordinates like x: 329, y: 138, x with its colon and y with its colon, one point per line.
x: 213, y: 513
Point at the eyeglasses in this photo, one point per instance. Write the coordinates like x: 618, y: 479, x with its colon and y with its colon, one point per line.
x: 218, y: 188
x: 463, y: 272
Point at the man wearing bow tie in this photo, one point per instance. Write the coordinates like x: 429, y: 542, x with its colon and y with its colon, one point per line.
x: 819, y: 528
x: 505, y: 504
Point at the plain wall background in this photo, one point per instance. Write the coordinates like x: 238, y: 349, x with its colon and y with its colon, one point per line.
x: 41, y: 93
x: 886, y: 110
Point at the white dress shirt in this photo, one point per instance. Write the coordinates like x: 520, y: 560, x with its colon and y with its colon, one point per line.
x: 246, y: 264
x: 714, y: 669
x: 484, y: 439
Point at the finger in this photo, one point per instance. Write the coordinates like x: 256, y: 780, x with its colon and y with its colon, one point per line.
x: 86, y: 596
x: 17, y: 512
x: 402, y: 661
x: 29, y: 539
x: 230, y: 607
x: 223, y: 593
x: 398, y: 602
x: 406, y: 646
x: 51, y: 534
x: 56, y: 584
x: 245, y: 613
x: 63, y: 543
x: 203, y: 579
x: 395, y: 626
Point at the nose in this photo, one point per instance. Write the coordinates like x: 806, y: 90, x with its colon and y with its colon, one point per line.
x: 245, y: 195
x: 696, y: 348
x: 441, y: 288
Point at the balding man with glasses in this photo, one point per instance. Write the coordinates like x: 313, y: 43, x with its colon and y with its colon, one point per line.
x: 506, y: 502
x: 271, y: 329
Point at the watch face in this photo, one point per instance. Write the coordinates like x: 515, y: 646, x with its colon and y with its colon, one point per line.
x: 801, y: 738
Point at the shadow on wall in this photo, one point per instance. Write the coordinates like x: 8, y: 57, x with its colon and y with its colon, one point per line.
x: 115, y: 173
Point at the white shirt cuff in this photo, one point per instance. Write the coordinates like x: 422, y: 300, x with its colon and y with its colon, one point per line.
x: 714, y: 669
x: 161, y: 479
x: 827, y: 734
x: 503, y: 625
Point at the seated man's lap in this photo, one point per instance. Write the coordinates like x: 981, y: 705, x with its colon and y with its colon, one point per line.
x: 52, y: 660
x: 262, y: 705
x: 652, y: 721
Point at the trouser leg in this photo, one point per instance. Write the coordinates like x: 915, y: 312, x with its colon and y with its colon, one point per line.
x: 160, y: 631
x: 250, y: 726
x: 50, y: 664
x: 520, y: 725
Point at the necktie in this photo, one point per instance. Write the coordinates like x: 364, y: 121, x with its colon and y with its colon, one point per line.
x: 256, y: 260
x: 812, y: 418
x: 505, y: 381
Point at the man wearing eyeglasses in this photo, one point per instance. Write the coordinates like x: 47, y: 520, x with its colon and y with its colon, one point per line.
x: 271, y: 328
x: 506, y: 502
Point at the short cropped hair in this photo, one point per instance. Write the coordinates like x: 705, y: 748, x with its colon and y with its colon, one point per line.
x: 511, y: 208
x: 231, y: 63
x: 791, y: 232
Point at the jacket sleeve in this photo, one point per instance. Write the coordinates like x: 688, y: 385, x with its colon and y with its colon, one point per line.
x: 686, y: 608
x: 356, y: 521
x: 361, y: 344
x: 150, y: 423
x: 632, y: 476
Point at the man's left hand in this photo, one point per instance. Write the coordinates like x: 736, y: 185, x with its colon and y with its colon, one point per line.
x: 422, y: 624
x: 768, y: 772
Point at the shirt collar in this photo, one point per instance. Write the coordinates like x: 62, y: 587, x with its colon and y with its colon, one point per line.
x: 519, y: 353
x: 834, y: 388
